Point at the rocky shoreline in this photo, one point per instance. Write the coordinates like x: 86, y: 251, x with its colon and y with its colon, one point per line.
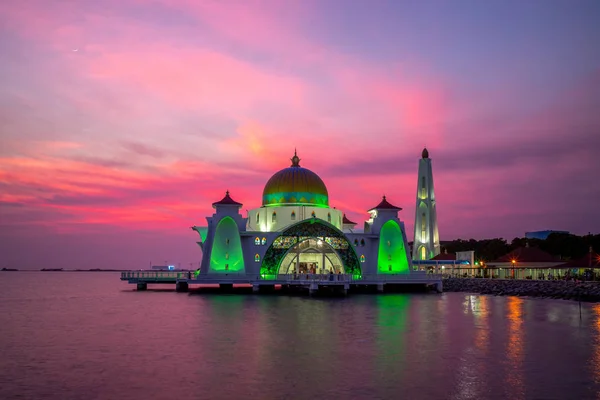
x: 568, y: 290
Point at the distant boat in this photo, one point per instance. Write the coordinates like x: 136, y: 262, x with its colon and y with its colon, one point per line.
x: 51, y: 269
x: 8, y: 269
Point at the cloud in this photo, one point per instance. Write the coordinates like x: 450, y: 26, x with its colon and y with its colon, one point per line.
x: 167, y: 104
x: 144, y: 149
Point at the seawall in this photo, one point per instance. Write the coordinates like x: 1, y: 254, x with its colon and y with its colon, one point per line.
x: 568, y: 290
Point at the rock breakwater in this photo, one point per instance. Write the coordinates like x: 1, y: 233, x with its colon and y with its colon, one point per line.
x: 568, y: 290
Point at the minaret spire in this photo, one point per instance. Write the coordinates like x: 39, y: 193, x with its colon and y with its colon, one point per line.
x: 426, y: 243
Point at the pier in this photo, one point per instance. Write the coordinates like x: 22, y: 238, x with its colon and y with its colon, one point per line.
x: 311, y: 283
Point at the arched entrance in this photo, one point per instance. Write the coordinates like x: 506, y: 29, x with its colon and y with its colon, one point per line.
x: 311, y: 256
x: 300, y: 244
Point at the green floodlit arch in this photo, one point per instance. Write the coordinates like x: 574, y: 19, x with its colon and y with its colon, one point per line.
x: 392, y: 257
x: 226, y: 255
x: 309, y: 229
x: 314, y: 246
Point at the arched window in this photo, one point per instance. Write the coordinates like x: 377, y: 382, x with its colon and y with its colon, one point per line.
x: 389, y: 244
x: 264, y: 241
x: 362, y: 258
x: 227, y: 241
x: 423, y: 253
x: 312, y: 214
x: 362, y: 242
x: 356, y: 242
x: 226, y: 267
x: 257, y: 258
x: 293, y: 215
x: 227, y: 256
x: 423, y: 188
x: 423, y: 227
x: 329, y: 217
x: 257, y: 241
x: 274, y: 217
x: 389, y: 257
x: 389, y: 267
x: 257, y: 218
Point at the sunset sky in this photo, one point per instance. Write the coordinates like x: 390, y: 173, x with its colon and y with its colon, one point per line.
x: 121, y: 121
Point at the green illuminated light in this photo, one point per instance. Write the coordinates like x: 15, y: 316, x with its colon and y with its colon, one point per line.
x: 295, y: 198
x: 226, y: 255
x: 392, y: 257
x: 296, y: 204
x: 202, y: 231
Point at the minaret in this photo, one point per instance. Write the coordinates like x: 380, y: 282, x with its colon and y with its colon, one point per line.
x: 427, y: 238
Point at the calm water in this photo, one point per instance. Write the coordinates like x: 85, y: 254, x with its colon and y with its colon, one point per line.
x: 89, y: 336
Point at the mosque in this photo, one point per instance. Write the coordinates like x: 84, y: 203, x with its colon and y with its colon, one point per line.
x: 295, y: 231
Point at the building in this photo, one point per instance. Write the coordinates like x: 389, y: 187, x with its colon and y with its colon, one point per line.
x: 295, y: 231
x: 460, y: 264
x: 590, y: 261
x: 426, y: 244
x: 522, y: 263
x: 542, y: 235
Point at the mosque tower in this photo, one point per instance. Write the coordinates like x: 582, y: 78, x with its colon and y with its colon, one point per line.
x: 426, y: 244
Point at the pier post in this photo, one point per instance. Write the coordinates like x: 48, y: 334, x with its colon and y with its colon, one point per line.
x: 313, y: 289
x: 439, y: 287
x: 142, y: 286
x: 226, y: 286
x: 255, y: 288
x: 380, y: 287
x: 181, y: 287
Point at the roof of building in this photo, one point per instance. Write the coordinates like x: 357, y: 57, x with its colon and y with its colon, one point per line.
x: 385, y: 205
x: 591, y: 259
x: 445, y: 256
x: 295, y: 185
x: 346, y: 221
x: 527, y: 254
x: 227, y: 201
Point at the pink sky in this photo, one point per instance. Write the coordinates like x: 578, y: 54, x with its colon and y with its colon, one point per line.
x: 121, y: 123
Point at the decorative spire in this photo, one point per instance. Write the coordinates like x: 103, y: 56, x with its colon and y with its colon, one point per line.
x: 227, y: 192
x: 295, y: 160
x: 425, y: 153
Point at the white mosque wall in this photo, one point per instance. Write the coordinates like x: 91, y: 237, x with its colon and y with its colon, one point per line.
x: 367, y: 246
x: 271, y: 219
x: 256, y: 243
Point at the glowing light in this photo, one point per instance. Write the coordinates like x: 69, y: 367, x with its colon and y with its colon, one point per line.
x: 390, y: 231
x: 226, y: 254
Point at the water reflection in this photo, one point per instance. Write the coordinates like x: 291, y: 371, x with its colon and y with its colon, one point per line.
x: 482, y: 328
x: 514, y: 349
x: 596, y: 354
x: 99, y: 339
x: 391, y: 334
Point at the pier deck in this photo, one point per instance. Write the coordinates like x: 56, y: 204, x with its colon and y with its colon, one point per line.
x: 313, y: 282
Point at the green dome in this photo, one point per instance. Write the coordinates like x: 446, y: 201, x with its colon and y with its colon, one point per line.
x: 295, y: 186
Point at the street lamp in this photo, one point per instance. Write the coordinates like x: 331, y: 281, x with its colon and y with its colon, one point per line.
x: 513, y: 267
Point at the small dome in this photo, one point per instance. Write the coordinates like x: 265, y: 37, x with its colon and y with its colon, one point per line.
x: 295, y: 185
x: 425, y: 153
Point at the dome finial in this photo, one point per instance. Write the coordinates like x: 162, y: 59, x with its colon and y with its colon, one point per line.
x: 227, y: 192
x: 295, y: 160
x: 425, y: 153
